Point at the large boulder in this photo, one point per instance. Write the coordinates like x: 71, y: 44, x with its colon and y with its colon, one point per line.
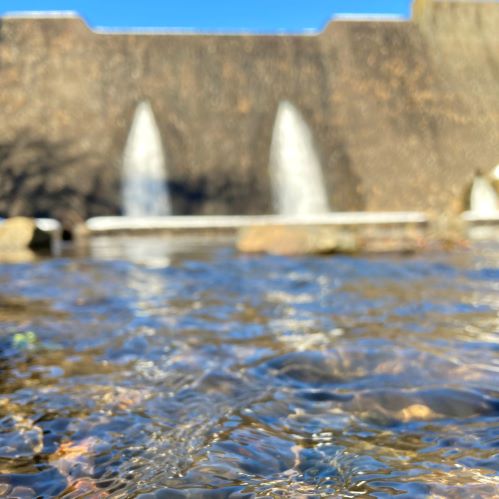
x: 283, y: 239
x: 16, y: 233
x: 22, y: 234
x: 295, y: 240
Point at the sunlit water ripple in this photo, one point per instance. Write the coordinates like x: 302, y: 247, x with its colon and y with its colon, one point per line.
x: 223, y: 375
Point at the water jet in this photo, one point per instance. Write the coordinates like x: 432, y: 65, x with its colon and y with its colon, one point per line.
x: 144, y: 173
x: 483, y: 196
x: 295, y: 169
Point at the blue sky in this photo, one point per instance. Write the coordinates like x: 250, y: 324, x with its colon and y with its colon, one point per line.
x: 214, y: 15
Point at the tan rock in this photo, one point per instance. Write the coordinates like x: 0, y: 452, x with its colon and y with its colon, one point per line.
x: 86, y: 487
x: 17, y: 256
x: 71, y: 455
x: 20, y: 235
x: 16, y: 233
x: 295, y: 240
x: 416, y: 412
x: 393, y: 244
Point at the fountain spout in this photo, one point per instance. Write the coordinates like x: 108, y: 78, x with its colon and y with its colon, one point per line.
x: 144, y: 173
x: 295, y: 170
x: 483, y: 196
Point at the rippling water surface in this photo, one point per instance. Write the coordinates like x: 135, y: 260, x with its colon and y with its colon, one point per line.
x: 217, y: 375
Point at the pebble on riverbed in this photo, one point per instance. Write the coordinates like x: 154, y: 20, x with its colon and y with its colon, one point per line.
x: 85, y: 487
x: 21, y: 310
x: 19, y: 437
x: 75, y: 461
x: 75, y: 458
x: 416, y: 412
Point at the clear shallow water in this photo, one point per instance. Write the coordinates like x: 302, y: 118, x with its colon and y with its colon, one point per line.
x: 220, y: 375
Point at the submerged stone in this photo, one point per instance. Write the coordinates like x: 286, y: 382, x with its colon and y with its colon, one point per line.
x: 19, y: 438
x: 215, y: 493
x: 18, y: 308
x: 295, y: 240
x: 86, y: 487
x: 22, y: 493
x: 24, y: 341
x: 75, y: 460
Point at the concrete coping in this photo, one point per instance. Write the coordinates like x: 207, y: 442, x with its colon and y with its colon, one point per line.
x: 477, y: 218
x: 109, y: 224
x: 49, y: 225
x: 43, y: 15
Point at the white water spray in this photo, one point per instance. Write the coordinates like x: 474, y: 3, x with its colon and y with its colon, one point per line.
x: 295, y: 170
x: 144, y: 174
x: 483, y: 196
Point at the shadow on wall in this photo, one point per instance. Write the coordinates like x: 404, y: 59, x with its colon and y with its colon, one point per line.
x: 346, y: 190
x: 217, y: 195
x: 44, y: 179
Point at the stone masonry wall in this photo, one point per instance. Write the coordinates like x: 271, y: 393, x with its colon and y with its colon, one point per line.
x: 403, y: 112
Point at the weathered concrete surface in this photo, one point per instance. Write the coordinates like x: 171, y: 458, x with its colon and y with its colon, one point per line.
x: 403, y: 112
x: 340, y: 232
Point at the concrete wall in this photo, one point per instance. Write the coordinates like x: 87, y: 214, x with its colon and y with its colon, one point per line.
x: 403, y: 112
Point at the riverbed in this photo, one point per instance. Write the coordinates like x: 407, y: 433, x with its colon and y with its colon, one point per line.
x: 205, y: 373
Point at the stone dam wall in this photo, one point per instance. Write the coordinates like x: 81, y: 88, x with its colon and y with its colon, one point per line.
x: 403, y: 112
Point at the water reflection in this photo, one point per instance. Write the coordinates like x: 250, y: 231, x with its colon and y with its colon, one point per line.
x: 220, y: 375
